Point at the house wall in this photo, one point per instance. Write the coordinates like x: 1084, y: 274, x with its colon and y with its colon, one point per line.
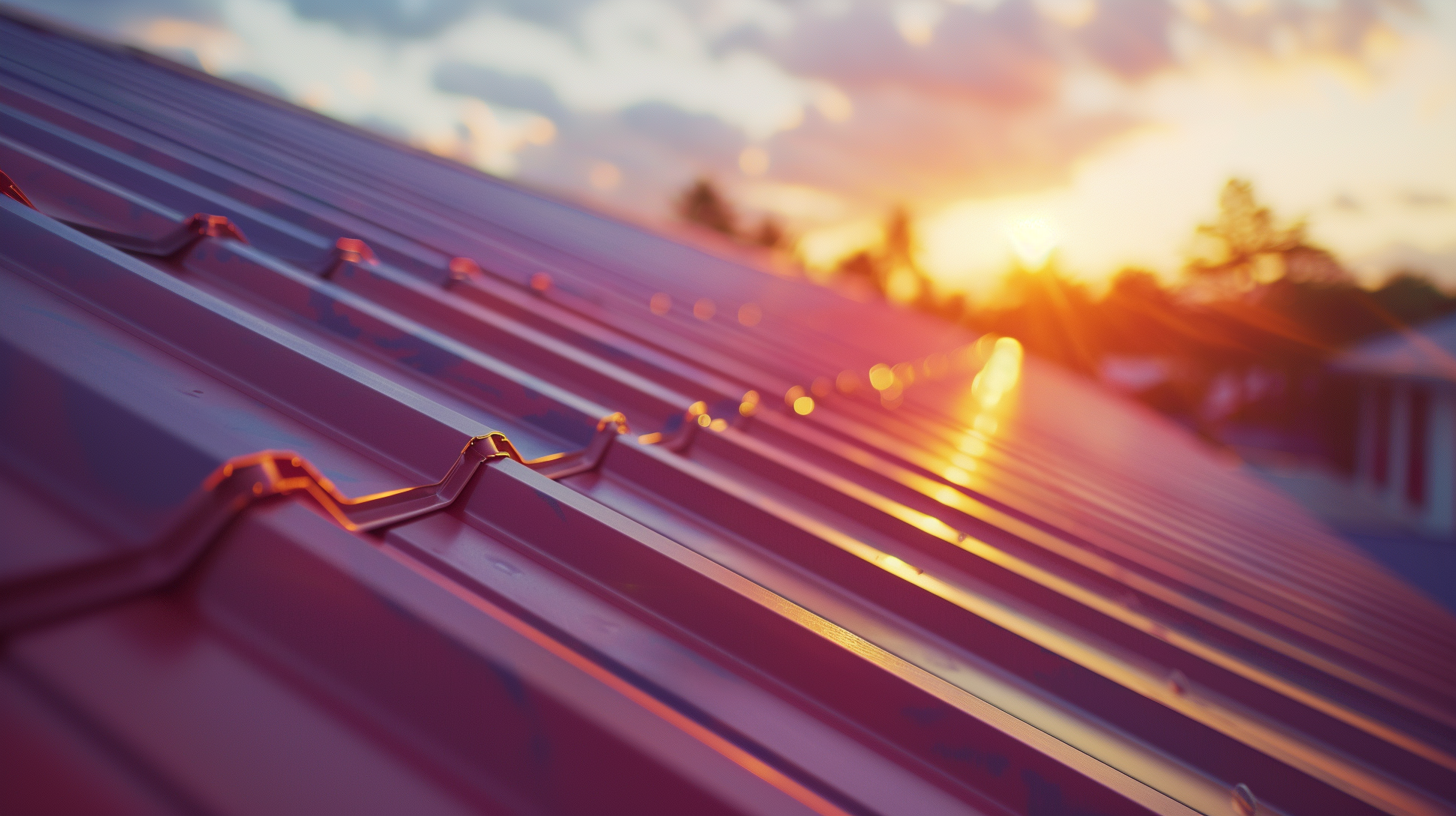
x: 1440, y: 513
x: 1399, y: 449
x: 1396, y: 418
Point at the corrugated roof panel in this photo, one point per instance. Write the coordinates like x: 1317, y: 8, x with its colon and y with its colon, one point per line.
x: 1003, y: 591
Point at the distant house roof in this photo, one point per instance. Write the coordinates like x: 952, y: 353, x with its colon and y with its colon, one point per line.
x: 1426, y: 352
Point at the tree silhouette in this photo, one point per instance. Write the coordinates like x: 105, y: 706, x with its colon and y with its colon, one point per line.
x: 703, y: 205
x: 892, y: 269
x: 864, y: 268
x: 770, y: 233
x: 899, y: 240
x: 1249, y: 248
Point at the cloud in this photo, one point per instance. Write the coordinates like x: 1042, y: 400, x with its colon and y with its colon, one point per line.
x: 1350, y: 29
x: 1426, y: 199
x: 980, y: 96
x: 909, y: 146
x: 622, y: 53
x: 847, y: 107
x: 1130, y: 38
x: 1000, y: 57
x: 499, y: 88
x: 392, y: 18
x: 1438, y: 263
x: 111, y: 19
x: 653, y: 150
x: 706, y: 137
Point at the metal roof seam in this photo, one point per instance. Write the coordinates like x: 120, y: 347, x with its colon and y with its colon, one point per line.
x: 227, y: 492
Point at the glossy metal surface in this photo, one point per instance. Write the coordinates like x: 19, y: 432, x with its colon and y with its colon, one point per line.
x: 972, y: 583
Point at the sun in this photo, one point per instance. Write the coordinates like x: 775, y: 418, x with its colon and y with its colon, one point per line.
x: 1033, y: 240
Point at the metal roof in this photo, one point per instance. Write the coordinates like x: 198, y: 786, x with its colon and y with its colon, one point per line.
x: 380, y: 484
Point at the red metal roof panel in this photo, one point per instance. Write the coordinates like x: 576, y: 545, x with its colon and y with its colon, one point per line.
x: 1002, y: 591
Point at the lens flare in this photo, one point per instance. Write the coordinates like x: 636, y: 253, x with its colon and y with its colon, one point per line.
x: 1000, y: 373
x: 1033, y: 239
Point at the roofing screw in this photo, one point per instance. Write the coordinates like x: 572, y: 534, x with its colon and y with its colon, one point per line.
x: 1243, y: 800
x: 801, y: 403
x: 1178, y: 682
x: 541, y: 283
x: 462, y: 269
x: 353, y: 250
x: 215, y: 226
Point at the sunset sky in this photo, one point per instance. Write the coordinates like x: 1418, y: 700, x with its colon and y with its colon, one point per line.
x: 1094, y: 133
